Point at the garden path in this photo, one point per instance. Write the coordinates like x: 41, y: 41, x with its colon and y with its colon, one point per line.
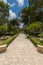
x: 21, y: 52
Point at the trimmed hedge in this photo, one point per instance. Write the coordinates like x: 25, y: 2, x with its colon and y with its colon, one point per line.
x: 40, y: 35
x: 35, y: 41
x: 34, y: 28
x: 9, y: 40
x: 3, y: 29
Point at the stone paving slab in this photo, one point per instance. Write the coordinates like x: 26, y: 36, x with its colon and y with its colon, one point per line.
x: 21, y: 52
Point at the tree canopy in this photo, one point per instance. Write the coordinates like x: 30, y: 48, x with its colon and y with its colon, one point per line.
x: 4, y: 11
x: 32, y: 13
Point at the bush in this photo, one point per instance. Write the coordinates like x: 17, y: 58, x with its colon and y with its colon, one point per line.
x: 26, y: 30
x: 12, y: 29
x: 9, y: 40
x: 40, y: 35
x: 34, y: 28
x: 36, y: 41
x: 3, y: 29
x: 16, y: 30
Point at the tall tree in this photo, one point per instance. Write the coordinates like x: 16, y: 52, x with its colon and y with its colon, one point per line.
x: 31, y: 13
x: 36, y: 8
x: 14, y: 22
x: 32, y: 2
x: 4, y: 11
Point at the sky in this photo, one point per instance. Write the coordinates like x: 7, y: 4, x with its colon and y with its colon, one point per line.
x: 15, y: 6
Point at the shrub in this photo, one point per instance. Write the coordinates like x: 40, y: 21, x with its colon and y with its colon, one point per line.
x: 40, y: 35
x: 34, y: 28
x: 3, y: 29
x: 9, y: 40
x: 16, y: 30
x: 12, y: 29
x: 26, y: 30
x: 36, y: 41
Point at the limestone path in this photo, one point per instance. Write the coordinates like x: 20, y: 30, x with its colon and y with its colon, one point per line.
x: 21, y: 52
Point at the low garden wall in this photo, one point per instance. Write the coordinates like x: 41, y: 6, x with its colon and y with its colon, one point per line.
x: 40, y: 48
x: 3, y: 48
x: 5, y: 44
x: 37, y: 43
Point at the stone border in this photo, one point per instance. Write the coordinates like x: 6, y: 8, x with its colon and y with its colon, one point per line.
x: 40, y: 48
x: 3, y: 48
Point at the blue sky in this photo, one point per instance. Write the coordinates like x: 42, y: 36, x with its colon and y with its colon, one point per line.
x: 16, y: 6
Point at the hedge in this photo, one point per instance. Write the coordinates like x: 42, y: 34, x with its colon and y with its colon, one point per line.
x: 35, y: 41
x: 40, y: 35
x: 34, y: 28
x: 3, y: 29
x: 9, y: 40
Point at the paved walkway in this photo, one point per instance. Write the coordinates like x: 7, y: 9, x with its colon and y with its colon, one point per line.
x: 21, y: 52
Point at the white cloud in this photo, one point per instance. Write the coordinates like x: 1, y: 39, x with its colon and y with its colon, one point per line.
x: 12, y: 15
x: 11, y: 5
x: 20, y: 2
x: 5, y: 1
x: 21, y: 25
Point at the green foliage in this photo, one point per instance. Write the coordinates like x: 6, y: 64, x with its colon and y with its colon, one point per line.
x: 34, y: 28
x: 4, y: 12
x: 40, y: 16
x: 9, y: 40
x: 3, y: 29
x: 40, y: 35
x: 36, y: 41
x: 34, y: 12
x: 14, y: 22
x: 3, y: 21
x: 13, y: 27
x: 14, y: 30
x: 4, y: 9
x: 33, y: 2
x: 26, y: 30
